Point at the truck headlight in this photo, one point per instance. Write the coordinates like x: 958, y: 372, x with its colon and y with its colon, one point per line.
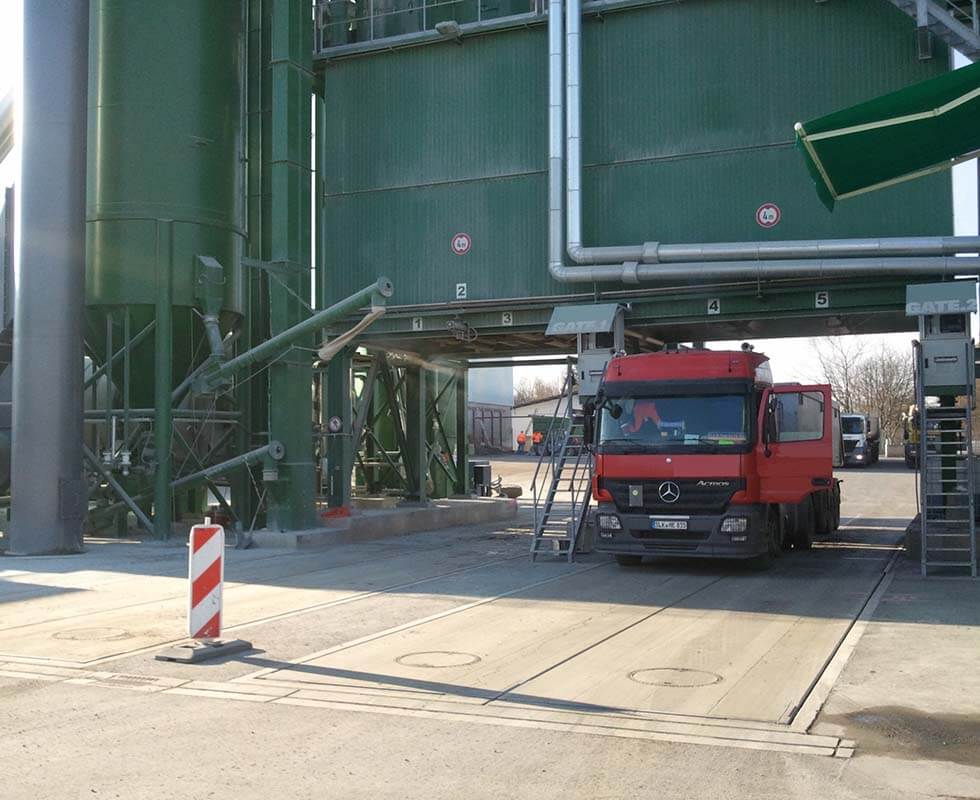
x: 610, y: 522
x: 734, y: 524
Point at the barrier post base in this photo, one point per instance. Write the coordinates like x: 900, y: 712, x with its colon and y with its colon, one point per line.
x: 203, y: 650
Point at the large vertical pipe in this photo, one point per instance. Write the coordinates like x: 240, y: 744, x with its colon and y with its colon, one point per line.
x: 47, y: 484
x: 163, y: 423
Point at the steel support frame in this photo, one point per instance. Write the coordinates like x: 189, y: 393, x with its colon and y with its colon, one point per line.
x: 410, y: 434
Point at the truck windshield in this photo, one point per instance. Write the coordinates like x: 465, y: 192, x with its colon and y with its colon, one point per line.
x: 674, y: 423
x: 852, y: 424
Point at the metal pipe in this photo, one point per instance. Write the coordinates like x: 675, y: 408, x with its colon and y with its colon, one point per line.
x: 897, y: 247
x: 180, y: 413
x: 177, y: 395
x: 47, y: 475
x: 273, y: 450
x: 376, y: 293
x: 117, y: 488
x: 213, y: 330
x: 815, y: 269
x: 619, y: 263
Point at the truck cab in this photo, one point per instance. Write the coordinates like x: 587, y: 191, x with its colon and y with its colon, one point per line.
x: 698, y: 453
x: 861, y: 439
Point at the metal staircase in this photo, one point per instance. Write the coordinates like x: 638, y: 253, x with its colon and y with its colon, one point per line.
x: 562, y: 484
x: 947, y: 489
x: 954, y: 22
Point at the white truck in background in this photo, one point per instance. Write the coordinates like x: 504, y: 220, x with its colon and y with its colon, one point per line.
x: 862, y: 438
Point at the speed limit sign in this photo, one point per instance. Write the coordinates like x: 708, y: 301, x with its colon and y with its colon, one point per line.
x: 768, y: 215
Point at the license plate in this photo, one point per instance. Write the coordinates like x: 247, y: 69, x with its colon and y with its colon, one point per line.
x: 669, y: 524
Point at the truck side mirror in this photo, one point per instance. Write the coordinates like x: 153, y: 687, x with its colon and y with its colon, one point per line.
x: 588, y: 422
x: 769, y: 425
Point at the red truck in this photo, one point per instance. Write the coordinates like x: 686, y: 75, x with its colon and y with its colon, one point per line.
x: 698, y: 453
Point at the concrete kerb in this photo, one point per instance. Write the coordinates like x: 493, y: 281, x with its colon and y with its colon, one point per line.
x: 369, y: 525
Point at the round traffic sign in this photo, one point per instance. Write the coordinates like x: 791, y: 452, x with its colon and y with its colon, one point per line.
x: 462, y: 244
x: 768, y: 215
x: 334, y: 424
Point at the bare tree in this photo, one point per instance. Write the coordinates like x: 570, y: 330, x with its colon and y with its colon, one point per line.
x: 877, y: 381
x: 529, y: 390
x: 840, y: 364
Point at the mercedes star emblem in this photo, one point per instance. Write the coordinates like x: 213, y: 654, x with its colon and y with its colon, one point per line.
x: 669, y: 492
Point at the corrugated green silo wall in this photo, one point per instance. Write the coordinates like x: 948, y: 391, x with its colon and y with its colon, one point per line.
x: 688, y: 113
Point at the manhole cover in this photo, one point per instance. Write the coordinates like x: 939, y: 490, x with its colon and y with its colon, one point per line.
x: 675, y: 677
x: 93, y: 634
x: 437, y: 659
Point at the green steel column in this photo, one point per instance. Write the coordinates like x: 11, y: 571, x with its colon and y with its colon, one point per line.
x: 286, y: 240
x: 462, y: 432
x: 252, y: 395
x: 416, y: 433
x: 164, y: 421
x: 340, y: 445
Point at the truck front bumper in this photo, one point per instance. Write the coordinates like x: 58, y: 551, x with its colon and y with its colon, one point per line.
x: 703, y: 537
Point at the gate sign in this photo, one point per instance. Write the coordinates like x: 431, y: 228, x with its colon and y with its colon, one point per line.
x: 768, y: 215
x: 206, y: 573
x: 462, y: 244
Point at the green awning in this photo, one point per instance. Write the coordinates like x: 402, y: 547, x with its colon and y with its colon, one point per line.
x: 903, y: 135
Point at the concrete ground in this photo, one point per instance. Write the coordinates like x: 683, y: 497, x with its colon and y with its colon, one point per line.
x: 445, y: 664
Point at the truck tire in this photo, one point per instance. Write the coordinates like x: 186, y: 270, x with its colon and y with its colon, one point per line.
x: 774, y: 545
x: 835, y: 504
x: 629, y: 560
x: 823, y: 507
x: 807, y: 525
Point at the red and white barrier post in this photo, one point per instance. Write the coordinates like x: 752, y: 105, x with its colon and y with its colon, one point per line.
x: 206, y: 574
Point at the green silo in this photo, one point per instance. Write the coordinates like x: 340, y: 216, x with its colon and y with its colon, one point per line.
x: 166, y: 145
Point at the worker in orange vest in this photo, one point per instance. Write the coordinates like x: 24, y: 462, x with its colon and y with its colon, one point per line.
x: 521, y: 442
x: 536, y: 439
x: 645, y: 411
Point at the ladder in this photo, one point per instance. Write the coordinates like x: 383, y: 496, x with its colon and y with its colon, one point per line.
x: 946, y: 488
x: 562, y: 483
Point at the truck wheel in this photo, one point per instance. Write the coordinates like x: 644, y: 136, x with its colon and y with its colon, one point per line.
x: 774, y: 548
x: 835, y: 505
x: 808, y: 525
x: 824, y: 513
x: 629, y: 561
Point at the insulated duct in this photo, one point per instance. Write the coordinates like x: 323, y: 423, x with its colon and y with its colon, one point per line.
x: 721, y: 260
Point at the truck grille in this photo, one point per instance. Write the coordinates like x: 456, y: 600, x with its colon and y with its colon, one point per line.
x: 849, y: 445
x: 696, y: 495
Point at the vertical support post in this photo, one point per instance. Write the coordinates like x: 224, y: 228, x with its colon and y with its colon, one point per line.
x: 110, y: 399
x: 462, y: 433
x: 163, y: 381
x: 286, y: 240
x: 252, y: 395
x: 422, y: 435
x: 127, y: 360
x: 415, y: 454
x: 340, y: 444
x: 48, y: 487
